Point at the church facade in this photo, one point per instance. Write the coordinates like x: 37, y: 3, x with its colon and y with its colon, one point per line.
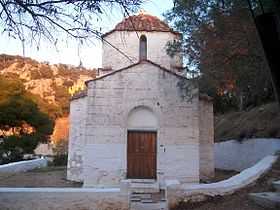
x: 140, y: 119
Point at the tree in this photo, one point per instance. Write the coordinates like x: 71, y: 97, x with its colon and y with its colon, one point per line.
x: 221, y: 43
x: 60, y: 151
x: 22, y: 120
x: 43, y: 18
x: 268, y: 25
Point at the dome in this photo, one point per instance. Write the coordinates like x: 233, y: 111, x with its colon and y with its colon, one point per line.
x: 142, y: 22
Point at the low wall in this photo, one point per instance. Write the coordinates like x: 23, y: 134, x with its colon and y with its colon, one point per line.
x: 23, y: 165
x: 235, y: 155
x: 177, y: 192
x: 63, y: 198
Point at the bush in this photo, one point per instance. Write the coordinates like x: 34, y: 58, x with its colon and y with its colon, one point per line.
x: 242, y: 135
x: 247, y: 133
x: 273, y: 132
x: 60, y: 160
x: 60, y: 150
x: 12, y: 148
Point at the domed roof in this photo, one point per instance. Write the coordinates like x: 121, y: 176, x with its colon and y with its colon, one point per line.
x: 142, y: 22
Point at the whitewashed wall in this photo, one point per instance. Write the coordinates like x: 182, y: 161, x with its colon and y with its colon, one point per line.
x: 206, y: 139
x: 44, y: 149
x: 22, y: 166
x: 128, y: 43
x: 178, y: 192
x: 233, y: 155
x: 110, y: 99
x: 78, y: 111
x: 63, y: 199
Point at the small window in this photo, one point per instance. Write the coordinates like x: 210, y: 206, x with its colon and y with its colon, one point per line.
x: 143, y: 48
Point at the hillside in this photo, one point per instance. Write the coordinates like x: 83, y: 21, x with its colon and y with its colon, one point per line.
x: 49, y: 86
x: 50, y: 82
x: 260, y: 122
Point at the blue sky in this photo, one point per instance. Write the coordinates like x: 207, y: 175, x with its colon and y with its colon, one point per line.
x: 67, y: 51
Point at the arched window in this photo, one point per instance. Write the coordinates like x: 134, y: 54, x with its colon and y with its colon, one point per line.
x: 143, y: 48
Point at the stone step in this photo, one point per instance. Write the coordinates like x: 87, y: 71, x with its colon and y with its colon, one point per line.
x: 148, y: 206
x: 142, y: 187
x: 266, y: 199
x: 143, y: 180
x: 141, y: 196
x: 147, y: 201
x: 135, y: 199
x: 276, y: 185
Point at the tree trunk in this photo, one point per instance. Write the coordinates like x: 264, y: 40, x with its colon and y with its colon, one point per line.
x: 240, y: 101
x: 268, y: 26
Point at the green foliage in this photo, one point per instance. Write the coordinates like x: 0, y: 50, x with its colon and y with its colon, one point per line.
x: 61, y: 153
x: 60, y: 160
x: 18, y: 109
x: 12, y: 148
x: 53, y: 111
x: 220, y: 42
x: 61, y: 147
x: 62, y: 97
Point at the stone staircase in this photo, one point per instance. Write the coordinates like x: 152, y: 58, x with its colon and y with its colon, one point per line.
x: 268, y: 199
x: 146, y: 195
x: 144, y: 186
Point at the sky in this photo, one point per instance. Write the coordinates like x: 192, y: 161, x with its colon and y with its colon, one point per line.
x: 67, y: 51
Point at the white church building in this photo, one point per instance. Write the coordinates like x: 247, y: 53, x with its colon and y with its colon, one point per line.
x: 140, y: 119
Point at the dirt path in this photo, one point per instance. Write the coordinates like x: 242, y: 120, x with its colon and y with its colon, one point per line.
x: 45, y: 177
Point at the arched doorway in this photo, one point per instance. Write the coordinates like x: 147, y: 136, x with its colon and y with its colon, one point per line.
x: 142, y: 144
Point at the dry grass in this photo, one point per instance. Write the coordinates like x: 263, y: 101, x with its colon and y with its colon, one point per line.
x: 260, y: 122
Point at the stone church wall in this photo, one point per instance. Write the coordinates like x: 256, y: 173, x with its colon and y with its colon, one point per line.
x: 110, y: 100
x: 206, y: 139
x: 76, y: 139
x: 128, y: 43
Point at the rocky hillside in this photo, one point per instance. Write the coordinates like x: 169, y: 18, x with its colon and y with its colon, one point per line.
x: 260, y: 122
x: 53, y: 83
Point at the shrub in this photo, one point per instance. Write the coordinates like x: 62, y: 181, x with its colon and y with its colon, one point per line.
x: 247, y: 133
x: 60, y: 150
x: 12, y: 148
x: 251, y: 133
x: 242, y: 135
x: 273, y: 132
x: 60, y: 160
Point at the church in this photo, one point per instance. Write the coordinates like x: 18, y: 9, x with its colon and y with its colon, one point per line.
x: 141, y: 119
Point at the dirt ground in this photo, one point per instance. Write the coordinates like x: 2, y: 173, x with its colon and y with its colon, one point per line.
x: 239, y: 200
x: 55, y: 177
x: 223, y: 174
x: 45, y: 177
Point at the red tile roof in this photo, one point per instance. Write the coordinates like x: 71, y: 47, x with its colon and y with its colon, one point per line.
x: 142, y: 22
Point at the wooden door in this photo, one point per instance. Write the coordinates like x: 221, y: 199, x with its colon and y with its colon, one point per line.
x: 141, y: 155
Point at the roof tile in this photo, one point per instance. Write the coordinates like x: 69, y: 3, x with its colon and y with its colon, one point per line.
x: 142, y: 22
